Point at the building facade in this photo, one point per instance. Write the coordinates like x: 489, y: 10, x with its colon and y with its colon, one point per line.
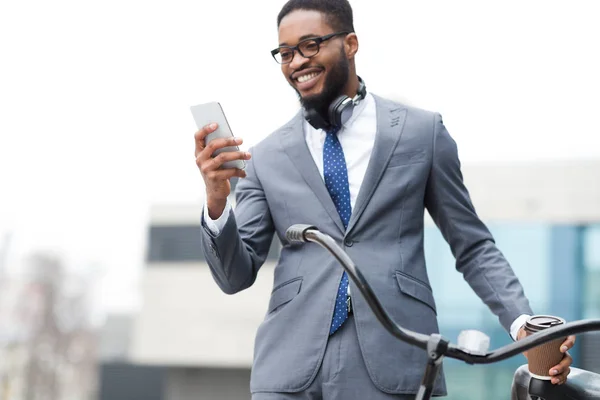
x: 545, y: 219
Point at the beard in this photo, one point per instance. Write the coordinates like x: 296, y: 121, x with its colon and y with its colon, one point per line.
x: 337, y: 78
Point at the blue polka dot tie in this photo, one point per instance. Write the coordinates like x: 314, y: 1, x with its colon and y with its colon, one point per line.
x: 336, y: 181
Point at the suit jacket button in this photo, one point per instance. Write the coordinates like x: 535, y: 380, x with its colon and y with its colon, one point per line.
x: 348, y: 242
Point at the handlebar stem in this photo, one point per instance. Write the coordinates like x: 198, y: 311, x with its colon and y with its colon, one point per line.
x: 436, y: 348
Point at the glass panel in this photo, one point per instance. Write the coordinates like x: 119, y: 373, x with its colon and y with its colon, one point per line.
x: 182, y: 243
x: 590, y: 342
x: 591, y: 262
x: 527, y: 247
x: 177, y: 243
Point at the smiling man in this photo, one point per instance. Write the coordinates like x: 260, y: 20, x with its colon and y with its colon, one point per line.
x: 362, y: 169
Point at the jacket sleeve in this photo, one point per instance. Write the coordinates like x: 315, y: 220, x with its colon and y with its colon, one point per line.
x: 477, y: 257
x: 235, y: 255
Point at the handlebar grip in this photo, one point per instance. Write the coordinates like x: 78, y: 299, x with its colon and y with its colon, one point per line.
x: 295, y: 233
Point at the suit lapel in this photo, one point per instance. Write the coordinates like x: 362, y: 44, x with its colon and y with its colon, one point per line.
x: 294, y: 144
x: 390, y: 122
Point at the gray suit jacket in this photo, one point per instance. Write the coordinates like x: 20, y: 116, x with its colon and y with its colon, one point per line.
x: 414, y: 165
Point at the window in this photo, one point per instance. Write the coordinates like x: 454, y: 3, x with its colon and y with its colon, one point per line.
x: 176, y: 243
x: 544, y: 257
x: 525, y: 246
x: 591, y: 262
x: 182, y: 243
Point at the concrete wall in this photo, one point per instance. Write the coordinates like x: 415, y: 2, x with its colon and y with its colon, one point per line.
x: 187, y: 321
x: 560, y: 192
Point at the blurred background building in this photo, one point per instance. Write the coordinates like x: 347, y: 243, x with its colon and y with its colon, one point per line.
x: 48, y: 341
x: 188, y: 340
x: 95, y: 128
x: 191, y: 341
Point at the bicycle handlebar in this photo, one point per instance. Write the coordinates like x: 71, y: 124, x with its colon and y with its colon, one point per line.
x: 308, y: 233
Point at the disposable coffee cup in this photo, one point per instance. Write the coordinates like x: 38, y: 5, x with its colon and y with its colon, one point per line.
x: 541, y: 358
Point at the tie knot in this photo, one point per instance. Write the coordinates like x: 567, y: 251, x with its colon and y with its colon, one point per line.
x: 333, y: 131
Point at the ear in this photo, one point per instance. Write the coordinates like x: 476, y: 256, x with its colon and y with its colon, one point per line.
x: 351, y: 45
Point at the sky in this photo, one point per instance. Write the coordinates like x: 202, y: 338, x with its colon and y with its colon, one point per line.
x: 95, y: 125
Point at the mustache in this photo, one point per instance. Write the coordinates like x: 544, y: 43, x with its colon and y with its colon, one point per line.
x: 304, y: 68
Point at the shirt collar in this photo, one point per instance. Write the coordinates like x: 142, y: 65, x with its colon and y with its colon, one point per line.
x: 358, y: 109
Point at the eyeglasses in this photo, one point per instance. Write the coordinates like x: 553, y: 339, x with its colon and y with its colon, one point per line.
x: 307, y: 48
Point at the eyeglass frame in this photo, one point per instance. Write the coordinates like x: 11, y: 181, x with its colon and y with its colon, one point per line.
x: 318, y: 40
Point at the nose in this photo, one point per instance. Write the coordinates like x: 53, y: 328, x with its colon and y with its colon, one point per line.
x: 298, y: 60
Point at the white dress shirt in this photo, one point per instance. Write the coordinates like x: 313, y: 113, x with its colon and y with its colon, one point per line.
x: 357, y: 137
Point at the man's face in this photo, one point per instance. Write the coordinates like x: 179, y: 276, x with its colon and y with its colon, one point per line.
x: 318, y: 80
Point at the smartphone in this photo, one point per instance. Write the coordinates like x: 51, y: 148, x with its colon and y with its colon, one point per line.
x: 207, y: 113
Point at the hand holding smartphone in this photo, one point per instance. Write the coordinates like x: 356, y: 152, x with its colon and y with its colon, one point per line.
x: 207, y: 113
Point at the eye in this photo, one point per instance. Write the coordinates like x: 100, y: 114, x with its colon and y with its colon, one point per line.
x: 310, y: 47
x: 286, y: 54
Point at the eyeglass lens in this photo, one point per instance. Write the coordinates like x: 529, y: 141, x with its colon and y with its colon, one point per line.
x: 307, y: 49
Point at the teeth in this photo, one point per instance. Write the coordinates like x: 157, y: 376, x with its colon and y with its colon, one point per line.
x: 307, y: 77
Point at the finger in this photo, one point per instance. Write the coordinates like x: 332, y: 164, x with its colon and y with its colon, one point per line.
x: 227, y: 156
x: 203, y: 158
x: 220, y: 143
x: 201, y: 134
x: 561, y: 378
x: 213, y: 164
x: 567, y: 344
x: 563, y: 366
x: 214, y: 145
x: 556, y: 381
x: 225, y: 174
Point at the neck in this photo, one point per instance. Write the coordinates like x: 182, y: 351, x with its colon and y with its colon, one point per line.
x: 352, y: 86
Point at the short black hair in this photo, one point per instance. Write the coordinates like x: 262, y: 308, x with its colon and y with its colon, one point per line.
x: 338, y: 13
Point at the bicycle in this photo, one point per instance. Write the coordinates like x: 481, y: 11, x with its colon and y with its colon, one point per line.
x: 581, y: 385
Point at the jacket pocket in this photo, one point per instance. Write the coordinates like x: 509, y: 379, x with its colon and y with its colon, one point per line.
x: 406, y: 158
x: 284, y: 293
x: 416, y: 289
